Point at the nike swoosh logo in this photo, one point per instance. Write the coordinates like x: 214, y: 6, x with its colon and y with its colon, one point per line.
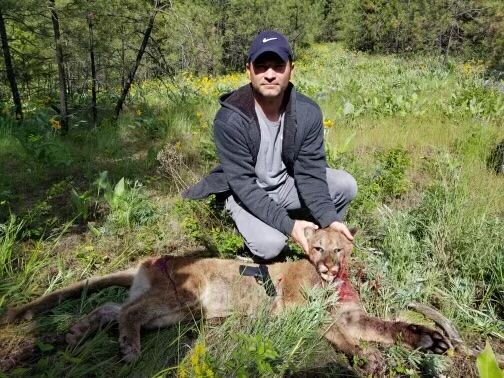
x: 269, y: 39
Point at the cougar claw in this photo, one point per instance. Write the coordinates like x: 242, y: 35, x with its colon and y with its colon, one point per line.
x: 430, y: 340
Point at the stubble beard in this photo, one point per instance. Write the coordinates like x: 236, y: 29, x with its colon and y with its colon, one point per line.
x: 269, y: 95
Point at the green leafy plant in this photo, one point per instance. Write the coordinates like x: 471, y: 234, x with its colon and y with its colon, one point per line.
x: 81, y: 203
x: 255, y: 356
x: 391, y: 173
x: 210, y: 225
x: 129, y: 205
x: 49, y: 150
x: 487, y: 364
x: 38, y: 219
x: 227, y: 241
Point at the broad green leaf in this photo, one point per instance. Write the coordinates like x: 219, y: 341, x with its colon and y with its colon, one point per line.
x: 102, y: 181
x: 487, y: 364
x: 119, y: 188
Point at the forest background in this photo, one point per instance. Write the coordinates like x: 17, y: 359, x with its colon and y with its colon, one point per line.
x: 106, y: 110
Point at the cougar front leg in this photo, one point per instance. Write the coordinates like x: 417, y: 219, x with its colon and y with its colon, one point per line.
x: 358, y: 325
x: 97, y: 318
x: 420, y: 337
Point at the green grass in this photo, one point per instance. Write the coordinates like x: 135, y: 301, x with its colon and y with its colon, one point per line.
x: 416, y: 135
x: 265, y: 345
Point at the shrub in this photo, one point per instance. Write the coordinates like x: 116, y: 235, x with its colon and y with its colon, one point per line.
x: 495, y: 159
x: 49, y: 150
x: 450, y: 243
x: 391, y: 173
x: 129, y: 205
x: 209, y: 225
x: 466, y: 27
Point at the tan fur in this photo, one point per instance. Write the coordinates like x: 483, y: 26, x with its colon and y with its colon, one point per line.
x: 170, y: 289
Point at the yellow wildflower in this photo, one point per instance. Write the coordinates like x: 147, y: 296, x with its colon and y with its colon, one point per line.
x: 178, y: 146
x: 472, y: 67
x: 328, y: 123
x: 466, y: 68
x: 55, y: 124
x: 138, y: 112
x: 89, y: 248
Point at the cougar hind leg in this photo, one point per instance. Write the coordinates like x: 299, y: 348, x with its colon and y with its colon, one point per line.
x: 100, y: 316
x: 151, y: 311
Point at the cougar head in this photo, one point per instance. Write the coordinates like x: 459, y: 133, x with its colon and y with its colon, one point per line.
x: 328, y: 251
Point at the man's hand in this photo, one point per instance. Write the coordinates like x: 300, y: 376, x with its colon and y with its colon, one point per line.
x: 338, y: 226
x: 298, y: 234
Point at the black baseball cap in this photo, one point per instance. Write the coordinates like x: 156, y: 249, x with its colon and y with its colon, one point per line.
x: 270, y: 41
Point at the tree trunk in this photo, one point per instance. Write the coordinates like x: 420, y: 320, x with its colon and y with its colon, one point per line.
x: 141, y: 50
x: 10, y: 70
x: 61, y: 68
x: 94, y: 111
x: 448, y: 45
x: 123, y: 59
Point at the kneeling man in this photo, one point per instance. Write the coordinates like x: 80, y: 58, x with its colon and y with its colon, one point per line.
x: 270, y: 145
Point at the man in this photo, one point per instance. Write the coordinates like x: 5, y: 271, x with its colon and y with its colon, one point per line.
x: 269, y: 140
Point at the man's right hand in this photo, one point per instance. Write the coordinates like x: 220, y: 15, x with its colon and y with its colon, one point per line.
x: 298, y: 233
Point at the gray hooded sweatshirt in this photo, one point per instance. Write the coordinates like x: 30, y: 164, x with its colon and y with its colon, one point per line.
x: 237, y: 137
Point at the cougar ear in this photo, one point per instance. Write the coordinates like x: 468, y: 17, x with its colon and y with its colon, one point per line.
x: 353, y: 230
x: 309, y: 232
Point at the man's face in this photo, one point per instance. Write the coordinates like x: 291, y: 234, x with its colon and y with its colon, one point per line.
x: 269, y: 75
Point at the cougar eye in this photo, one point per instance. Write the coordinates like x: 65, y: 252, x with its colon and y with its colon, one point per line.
x: 319, y: 249
x: 338, y: 250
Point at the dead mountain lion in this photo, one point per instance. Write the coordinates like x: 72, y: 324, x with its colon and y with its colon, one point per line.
x: 170, y: 289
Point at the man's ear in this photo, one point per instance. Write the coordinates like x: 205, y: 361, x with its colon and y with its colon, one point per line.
x: 248, y: 67
x: 309, y: 232
x: 353, y: 230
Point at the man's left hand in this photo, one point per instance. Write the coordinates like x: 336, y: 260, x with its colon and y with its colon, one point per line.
x: 338, y: 226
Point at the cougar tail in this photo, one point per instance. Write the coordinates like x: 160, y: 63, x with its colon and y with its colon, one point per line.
x: 123, y: 278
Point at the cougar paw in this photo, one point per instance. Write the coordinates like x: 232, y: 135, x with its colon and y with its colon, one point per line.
x: 77, y: 332
x: 429, y: 340
x: 71, y: 339
x: 129, y: 348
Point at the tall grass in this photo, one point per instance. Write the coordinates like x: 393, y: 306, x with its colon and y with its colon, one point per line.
x: 266, y: 345
x: 8, y: 234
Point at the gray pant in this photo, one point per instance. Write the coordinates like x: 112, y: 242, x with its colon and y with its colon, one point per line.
x: 267, y: 242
